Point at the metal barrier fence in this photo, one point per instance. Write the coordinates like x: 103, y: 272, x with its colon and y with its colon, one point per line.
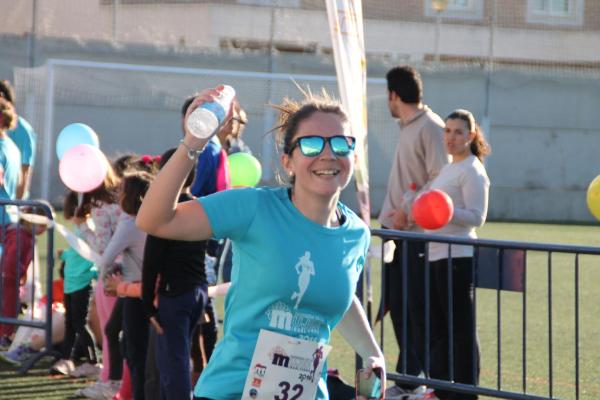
x: 13, y: 268
x: 526, y: 269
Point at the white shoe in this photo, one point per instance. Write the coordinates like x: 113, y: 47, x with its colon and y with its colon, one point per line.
x: 63, y: 366
x: 17, y: 356
x: 420, y: 393
x: 395, y: 393
x: 86, y: 370
x: 100, y: 390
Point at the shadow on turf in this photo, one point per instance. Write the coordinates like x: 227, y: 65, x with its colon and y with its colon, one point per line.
x: 37, y: 383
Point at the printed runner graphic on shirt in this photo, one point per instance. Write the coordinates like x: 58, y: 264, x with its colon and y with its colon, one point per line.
x: 284, y: 317
x: 305, y: 269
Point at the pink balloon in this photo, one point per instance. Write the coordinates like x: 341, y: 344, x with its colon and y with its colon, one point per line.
x: 83, y: 168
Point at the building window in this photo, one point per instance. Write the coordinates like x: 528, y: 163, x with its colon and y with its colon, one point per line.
x: 460, y: 4
x: 271, y: 3
x: 455, y: 9
x: 555, y: 12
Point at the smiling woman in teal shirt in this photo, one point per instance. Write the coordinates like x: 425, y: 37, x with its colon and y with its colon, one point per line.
x: 298, y: 252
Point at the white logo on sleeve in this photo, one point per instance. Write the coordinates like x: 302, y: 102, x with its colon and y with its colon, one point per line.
x: 305, y: 268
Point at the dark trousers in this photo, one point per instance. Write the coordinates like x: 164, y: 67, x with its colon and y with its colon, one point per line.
x: 178, y: 316
x: 77, y: 335
x: 205, y: 332
x: 112, y: 330
x: 152, y: 384
x: 465, y: 352
x: 413, y: 332
x: 135, y: 336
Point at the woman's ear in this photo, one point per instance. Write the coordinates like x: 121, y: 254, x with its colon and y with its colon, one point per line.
x: 472, y: 135
x: 286, y: 163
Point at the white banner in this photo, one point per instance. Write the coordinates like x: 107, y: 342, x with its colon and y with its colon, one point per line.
x: 347, y: 38
x: 78, y: 244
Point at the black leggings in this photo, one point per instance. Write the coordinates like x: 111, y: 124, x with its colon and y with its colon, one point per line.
x: 77, y: 336
x: 465, y: 345
x: 113, y: 328
x: 207, y: 332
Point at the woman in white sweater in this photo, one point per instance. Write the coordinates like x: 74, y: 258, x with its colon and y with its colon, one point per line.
x: 466, y: 182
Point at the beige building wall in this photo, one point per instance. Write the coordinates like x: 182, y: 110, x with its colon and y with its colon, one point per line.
x: 398, y: 28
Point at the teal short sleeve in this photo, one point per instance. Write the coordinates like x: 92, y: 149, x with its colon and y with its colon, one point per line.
x: 24, y: 137
x: 231, y: 212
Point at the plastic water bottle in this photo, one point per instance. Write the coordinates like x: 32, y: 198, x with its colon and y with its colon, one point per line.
x: 204, y: 120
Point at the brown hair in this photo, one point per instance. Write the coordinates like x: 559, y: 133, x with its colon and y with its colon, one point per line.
x: 146, y: 162
x: 123, y: 164
x: 70, y: 204
x: 134, y: 188
x: 291, y: 113
x: 33, y: 227
x: 106, y: 193
x: 6, y: 91
x: 8, y: 115
x: 186, y: 104
x: 480, y: 148
x: 406, y: 82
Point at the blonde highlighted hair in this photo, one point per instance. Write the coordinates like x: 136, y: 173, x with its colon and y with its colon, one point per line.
x: 292, y: 112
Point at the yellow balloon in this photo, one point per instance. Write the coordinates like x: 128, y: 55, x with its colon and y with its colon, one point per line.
x: 593, y: 197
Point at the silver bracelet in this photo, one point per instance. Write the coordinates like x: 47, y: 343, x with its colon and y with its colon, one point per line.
x: 191, y: 153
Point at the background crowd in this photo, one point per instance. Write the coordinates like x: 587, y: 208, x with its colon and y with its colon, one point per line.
x: 145, y: 304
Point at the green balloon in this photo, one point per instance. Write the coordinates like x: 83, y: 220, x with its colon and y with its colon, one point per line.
x: 244, y: 170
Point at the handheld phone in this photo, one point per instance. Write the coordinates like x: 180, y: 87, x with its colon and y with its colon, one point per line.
x: 368, y: 384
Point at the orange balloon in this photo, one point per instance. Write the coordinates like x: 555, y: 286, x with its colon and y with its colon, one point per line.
x: 432, y: 209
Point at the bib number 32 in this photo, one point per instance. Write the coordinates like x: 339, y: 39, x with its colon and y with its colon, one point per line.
x: 297, y: 390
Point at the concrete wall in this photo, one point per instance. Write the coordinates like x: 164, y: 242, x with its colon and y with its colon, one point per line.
x: 544, y: 123
x: 544, y: 128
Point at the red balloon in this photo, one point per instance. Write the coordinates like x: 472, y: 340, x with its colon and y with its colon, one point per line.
x: 432, y: 209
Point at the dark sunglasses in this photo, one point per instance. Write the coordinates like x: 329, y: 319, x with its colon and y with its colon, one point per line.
x: 312, y: 146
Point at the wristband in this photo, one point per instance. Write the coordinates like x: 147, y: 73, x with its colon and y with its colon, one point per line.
x: 191, y: 153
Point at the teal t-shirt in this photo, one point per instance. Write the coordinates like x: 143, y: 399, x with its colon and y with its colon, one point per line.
x: 290, y: 275
x: 10, y: 165
x: 78, y: 272
x: 24, y: 137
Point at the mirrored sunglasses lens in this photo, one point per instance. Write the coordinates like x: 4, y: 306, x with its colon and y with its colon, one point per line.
x: 340, y: 146
x: 311, y: 146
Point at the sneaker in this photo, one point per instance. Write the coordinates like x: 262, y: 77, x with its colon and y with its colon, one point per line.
x: 100, y: 390
x: 17, y: 356
x: 5, y: 343
x: 395, y: 393
x: 63, y: 367
x: 86, y: 370
x: 420, y: 393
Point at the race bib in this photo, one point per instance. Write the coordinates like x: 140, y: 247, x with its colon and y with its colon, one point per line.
x: 284, y: 368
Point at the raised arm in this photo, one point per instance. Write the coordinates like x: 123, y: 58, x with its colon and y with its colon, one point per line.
x: 160, y: 214
x: 119, y: 242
